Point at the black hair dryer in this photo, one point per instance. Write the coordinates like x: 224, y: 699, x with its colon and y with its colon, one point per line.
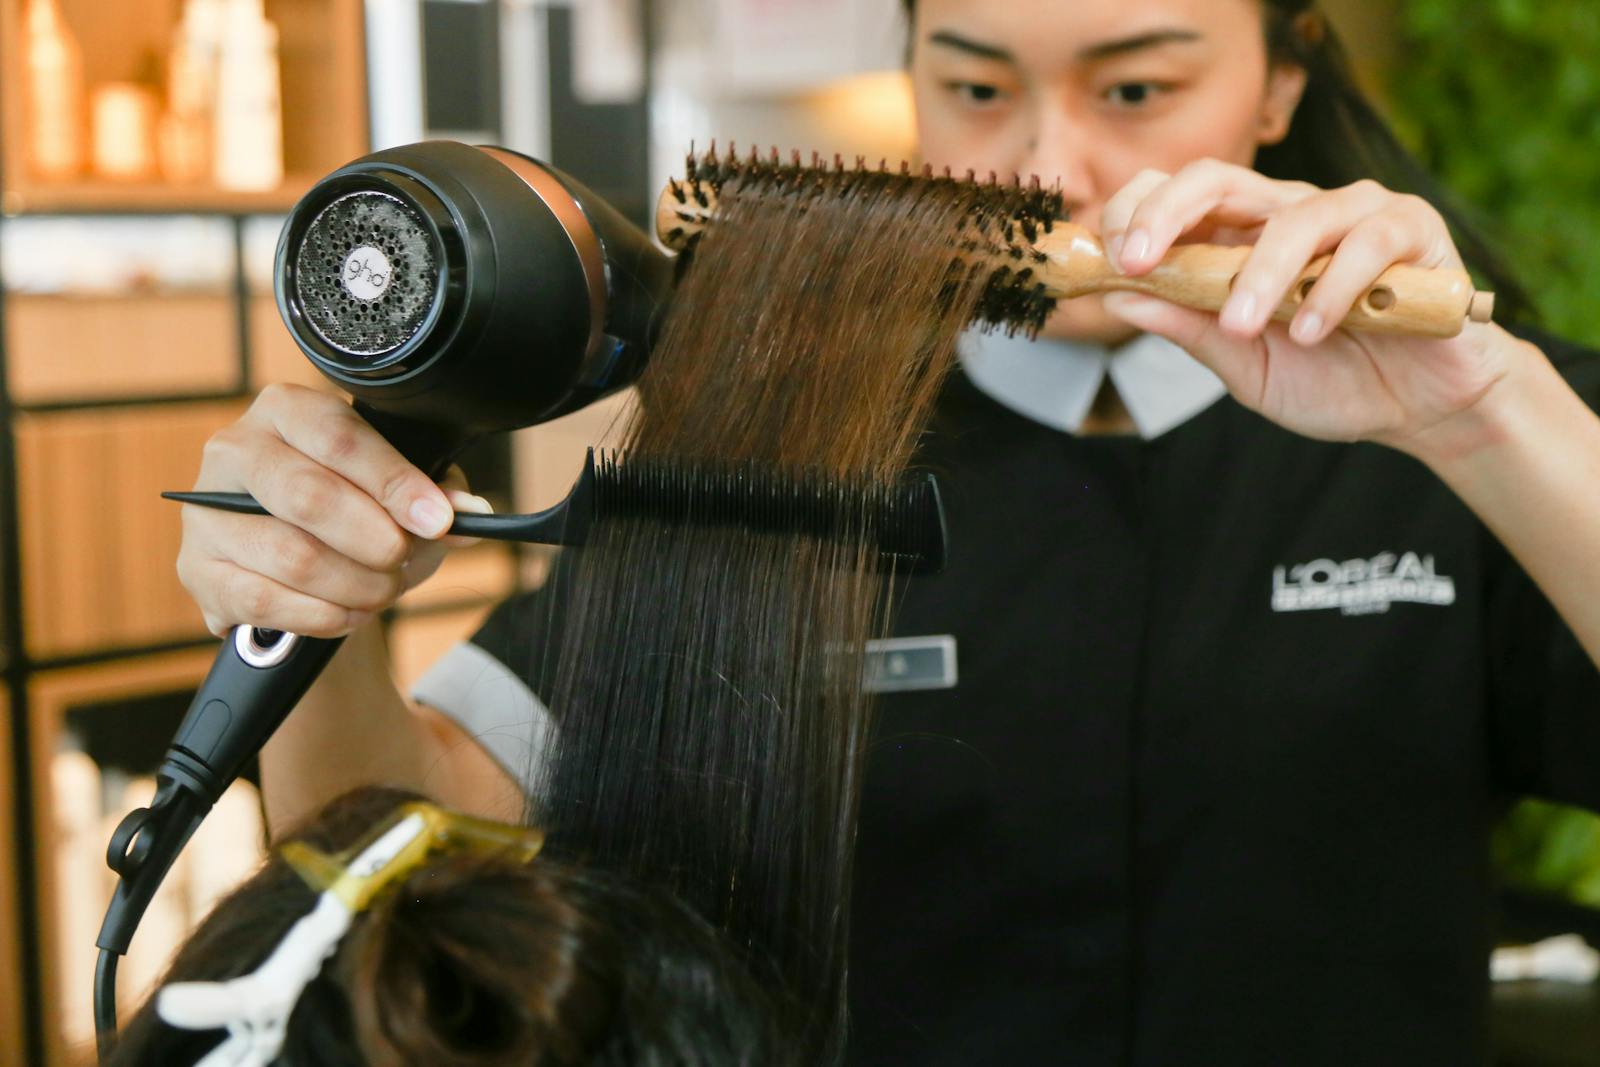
x: 454, y: 291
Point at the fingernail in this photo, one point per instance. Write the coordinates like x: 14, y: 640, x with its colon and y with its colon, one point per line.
x: 358, y: 618
x: 1240, y: 311
x: 1119, y: 303
x: 1114, y: 250
x: 429, y: 517
x: 1137, y: 248
x: 1307, y: 328
x: 464, y: 501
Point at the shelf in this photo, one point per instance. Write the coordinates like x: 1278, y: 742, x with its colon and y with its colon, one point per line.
x: 11, y: 1028
x: 25, y: 197
x: 274, y: 357
x: 98, y: 542
x: 98, y: 347
x: 76, y: 879
x: 322, y: 64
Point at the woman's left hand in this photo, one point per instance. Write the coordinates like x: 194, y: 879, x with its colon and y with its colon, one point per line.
x: 1308, y: 375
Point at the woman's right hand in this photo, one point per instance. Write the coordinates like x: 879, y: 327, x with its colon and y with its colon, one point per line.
x: 353, y: 525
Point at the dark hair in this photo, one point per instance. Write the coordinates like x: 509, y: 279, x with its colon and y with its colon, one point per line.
x: 1338, y: 137
x: 477, y: 960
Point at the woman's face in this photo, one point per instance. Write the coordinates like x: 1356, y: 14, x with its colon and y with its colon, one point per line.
x: 1091, y: 92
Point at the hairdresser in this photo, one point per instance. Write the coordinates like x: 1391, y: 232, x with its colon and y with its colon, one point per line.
x: 1249, y: 628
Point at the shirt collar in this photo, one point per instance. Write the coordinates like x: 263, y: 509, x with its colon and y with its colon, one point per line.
x: 1054, y: 381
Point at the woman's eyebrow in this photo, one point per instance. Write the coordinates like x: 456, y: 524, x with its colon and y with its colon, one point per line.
x: 951, y: 39
x: 1087, y: 54
x: 1137, y: 43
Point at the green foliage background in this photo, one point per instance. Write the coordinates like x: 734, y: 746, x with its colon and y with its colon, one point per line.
x: 1501, y: 98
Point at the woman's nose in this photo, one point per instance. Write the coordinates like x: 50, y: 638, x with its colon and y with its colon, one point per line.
x: 1058, y: 152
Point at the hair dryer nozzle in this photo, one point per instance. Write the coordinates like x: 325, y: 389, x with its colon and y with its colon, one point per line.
x: 468, y: 287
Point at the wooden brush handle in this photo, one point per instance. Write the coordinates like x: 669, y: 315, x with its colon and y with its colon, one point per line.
x: 1429, y: 302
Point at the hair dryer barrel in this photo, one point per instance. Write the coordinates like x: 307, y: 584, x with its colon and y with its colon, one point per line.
x: 458, y: 290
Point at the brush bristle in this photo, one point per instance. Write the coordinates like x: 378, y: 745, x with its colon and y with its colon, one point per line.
x: 1002, y: 218
x: 903, y: 520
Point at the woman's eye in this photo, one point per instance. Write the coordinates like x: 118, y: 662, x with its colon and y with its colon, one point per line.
x: 975, y: 92
x: 1133, y: 94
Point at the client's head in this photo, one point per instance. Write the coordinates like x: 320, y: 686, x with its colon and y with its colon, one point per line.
x: 474, y: 957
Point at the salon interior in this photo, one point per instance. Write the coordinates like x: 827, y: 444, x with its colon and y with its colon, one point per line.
x: 150, y: 153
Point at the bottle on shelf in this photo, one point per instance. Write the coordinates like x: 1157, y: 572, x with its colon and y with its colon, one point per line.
x: 187, y: 122
x: 125, y: 131
x: 54, y: 122
x: 247, y: 149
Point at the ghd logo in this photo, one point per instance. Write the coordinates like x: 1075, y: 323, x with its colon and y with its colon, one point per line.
x: 366, y: 273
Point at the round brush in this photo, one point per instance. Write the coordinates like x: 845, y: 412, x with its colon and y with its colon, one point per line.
x: 1036, y: 258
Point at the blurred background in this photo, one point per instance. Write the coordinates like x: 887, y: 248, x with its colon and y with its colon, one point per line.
x: 148, y: 151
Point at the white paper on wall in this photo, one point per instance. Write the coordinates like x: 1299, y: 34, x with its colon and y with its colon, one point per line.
x: 794, y: 45
x: 607, y: 51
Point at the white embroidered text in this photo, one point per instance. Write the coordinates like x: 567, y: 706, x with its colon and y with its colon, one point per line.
x: 1360, y: 586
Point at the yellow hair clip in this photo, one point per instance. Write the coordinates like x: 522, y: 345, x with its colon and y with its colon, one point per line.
x: 254, y: 1008
x: 415, y: 830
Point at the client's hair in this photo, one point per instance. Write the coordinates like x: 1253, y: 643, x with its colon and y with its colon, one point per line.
x: 476, y: 959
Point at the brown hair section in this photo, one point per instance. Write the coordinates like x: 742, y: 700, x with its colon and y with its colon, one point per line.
x: 478, y: 960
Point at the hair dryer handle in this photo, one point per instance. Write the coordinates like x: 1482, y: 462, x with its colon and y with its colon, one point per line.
x: 429, y: 446
x: 257, y: 679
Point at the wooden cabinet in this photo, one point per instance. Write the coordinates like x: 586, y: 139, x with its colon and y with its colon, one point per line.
x: 98, y: 542
x: 115, y: 374
x: 72, y: 347
x: 12, y: 1032
x: 73, y: 818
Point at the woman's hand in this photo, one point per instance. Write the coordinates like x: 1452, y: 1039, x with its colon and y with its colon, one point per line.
x: 1308, y: 375
x: 353, y: 525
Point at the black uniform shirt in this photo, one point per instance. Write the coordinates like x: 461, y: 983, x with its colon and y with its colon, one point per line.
x: 1234, y: 711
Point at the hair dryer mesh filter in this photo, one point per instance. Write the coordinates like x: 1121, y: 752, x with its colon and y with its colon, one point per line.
x: 366, y: 273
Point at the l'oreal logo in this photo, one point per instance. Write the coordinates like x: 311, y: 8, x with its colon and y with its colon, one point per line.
x: 1361, y: 586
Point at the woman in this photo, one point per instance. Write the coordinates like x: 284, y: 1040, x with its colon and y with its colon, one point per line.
x: 471, y: 950
x: 1252, y: 622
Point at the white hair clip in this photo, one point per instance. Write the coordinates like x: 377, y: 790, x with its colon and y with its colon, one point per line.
x: 254, y: 1008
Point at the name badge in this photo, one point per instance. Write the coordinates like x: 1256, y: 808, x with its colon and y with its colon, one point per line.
x: 898, y: 664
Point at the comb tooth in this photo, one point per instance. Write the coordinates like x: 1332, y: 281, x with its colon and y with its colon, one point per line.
x: 901, y: 520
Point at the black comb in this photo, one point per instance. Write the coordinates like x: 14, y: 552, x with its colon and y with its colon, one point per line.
x: 905, y: 520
